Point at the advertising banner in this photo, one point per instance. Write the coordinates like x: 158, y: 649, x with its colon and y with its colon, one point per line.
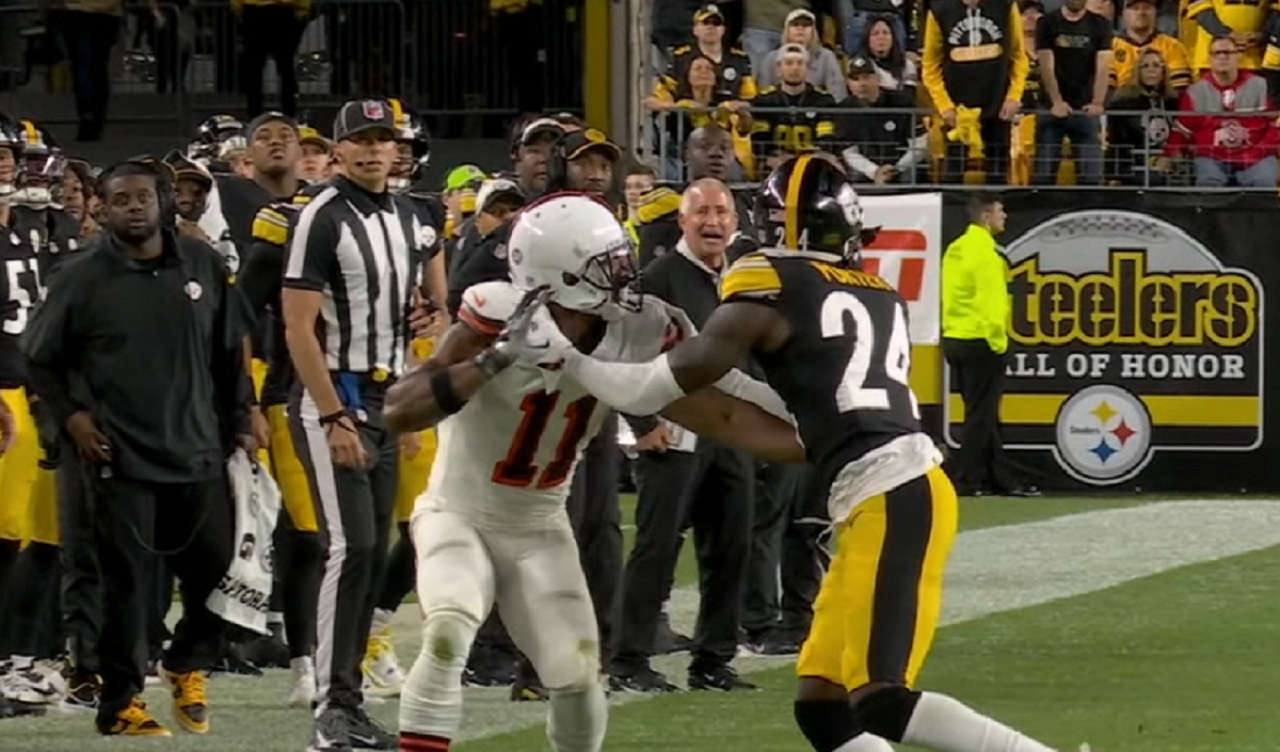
x: 1138, y: 340
x: 907, y: 255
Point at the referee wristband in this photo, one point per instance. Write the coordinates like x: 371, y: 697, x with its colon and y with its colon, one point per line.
x: 335, y: 419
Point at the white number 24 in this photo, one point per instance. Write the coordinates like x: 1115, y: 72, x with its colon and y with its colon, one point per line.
x: 852, y: 394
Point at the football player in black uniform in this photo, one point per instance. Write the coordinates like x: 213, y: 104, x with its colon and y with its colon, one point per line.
x: 833, y: 341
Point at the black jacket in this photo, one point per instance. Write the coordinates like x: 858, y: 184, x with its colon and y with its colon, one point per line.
x: 153, y: 350
x: 659, y: 226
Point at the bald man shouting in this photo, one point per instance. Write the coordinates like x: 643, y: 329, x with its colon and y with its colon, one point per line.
x: 682, y: 476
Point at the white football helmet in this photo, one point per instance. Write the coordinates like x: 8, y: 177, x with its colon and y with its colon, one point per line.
x: 573, y: 243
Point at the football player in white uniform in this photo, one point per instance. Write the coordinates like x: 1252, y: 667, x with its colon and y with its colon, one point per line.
x: 492, y: 526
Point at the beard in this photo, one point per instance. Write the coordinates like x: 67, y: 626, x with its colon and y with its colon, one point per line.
x: 134, y: 235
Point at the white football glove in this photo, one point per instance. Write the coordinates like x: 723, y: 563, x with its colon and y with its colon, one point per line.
x: 531, y: 335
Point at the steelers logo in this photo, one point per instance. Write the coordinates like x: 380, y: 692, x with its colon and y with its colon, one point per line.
x: 1103, y: 435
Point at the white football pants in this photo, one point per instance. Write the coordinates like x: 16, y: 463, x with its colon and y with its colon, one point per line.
x: 536, y: 580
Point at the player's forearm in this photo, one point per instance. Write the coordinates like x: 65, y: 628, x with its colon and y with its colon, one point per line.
x: 737, y: 384
x: 633, y: 388
x: 430, y: 394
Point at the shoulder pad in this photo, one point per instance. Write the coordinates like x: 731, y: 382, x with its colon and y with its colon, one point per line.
x: 487, y: 306
x: 271, y: 225
x: 682, y: 49
x: 657, y: 204
x: 751, y: 277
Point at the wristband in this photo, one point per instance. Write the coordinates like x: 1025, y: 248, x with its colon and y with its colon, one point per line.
x: 335, y: 419
x: 442, y: 391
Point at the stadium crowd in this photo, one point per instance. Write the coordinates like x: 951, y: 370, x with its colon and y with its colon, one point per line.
x: 1021, y: 93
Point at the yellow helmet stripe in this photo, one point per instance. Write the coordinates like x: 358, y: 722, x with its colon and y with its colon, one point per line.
x: 397, y: 112
x: 33, y: 136
x: 791, y: 208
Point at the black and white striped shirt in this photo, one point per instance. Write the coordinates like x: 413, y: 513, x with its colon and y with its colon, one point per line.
x: 364, y: 251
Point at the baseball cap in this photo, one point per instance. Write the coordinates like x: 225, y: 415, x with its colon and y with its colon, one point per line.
x: 860, y: 66
x: 541, y: 127
x: 272, y: 116
x: 187, y: 169
x: 791, y: 48
x: 462, y: 177
x: 800, y: 15
x: 309, y: 135
x: 710, y: 10
x: 499, y: 188
x: 361, y: 115
x: 580, y: 142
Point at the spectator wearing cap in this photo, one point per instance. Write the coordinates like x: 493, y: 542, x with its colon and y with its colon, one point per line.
x: 824, y: 68
x: 801, y: 120
x: 271, y: 28
x: 762, y: 21
x: 583, y: 161
x: 317, y: 153
x: 1140, y: 34
x: 350, y: 274
x: 884, y: 148
x: 191, y: 186
x: 699, y: 102
x: 530, y: 149
x: 459, y: 194
x: 733, y: 68
x: 974, y: 58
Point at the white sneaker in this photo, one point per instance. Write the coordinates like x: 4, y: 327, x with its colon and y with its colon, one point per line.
x: 52, y: 670
x: 302, y: 685
x: 24, y: 683
x: 383, y: 675
x: 368, y: 690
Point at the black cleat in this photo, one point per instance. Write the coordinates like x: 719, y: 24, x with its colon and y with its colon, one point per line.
x: 641, y: 679
x: 720, y: 677
x: 366, y: 733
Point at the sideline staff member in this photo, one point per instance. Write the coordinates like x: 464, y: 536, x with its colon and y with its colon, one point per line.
x: 975, y: 315
x: 348, y: 283
x: 137, y: 353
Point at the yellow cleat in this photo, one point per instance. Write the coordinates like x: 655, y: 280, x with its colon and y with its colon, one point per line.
x: 134, y: 720
x: 190, y: 705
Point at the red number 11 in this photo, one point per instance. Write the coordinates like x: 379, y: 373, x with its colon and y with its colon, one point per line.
x: 517, y: 468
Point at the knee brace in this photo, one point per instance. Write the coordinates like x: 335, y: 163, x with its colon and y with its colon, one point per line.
x: 886, y: 711
x: 827, y: 724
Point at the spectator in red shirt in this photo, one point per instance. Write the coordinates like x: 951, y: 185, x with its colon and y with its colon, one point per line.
x: 1240, y: 143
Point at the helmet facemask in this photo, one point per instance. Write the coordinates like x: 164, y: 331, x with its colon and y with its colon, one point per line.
x: 615, y: 276
x: 39, y: 171
x: 8, y: 171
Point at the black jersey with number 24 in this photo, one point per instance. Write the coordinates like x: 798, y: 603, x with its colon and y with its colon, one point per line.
x: 843, y: 371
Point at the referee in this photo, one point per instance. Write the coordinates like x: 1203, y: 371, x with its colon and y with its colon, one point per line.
x: 348, y: 282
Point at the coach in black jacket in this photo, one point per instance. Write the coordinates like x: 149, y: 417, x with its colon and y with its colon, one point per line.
x: 709, y: 152
x: 685, y: 477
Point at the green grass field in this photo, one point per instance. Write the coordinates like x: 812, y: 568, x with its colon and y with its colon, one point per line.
x: 1135, y: 624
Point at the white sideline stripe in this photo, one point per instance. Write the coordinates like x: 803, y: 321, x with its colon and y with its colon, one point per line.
x: 994, y: 570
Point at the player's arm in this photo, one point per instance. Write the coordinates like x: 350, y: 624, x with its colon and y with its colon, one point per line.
x: 737, y: 422
x: 460, y: 365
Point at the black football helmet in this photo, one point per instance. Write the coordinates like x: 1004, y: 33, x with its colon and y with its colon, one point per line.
x: 210, y: 135
x: 809, y: 204
x: 410, y: 165
x: 40, y: 167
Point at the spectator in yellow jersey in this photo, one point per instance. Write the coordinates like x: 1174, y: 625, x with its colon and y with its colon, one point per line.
x: 1243, y: 22
x: 1140, y: 34
x: 974, y: 58
x: 975, y: 340
x: 733, y: 68
x: 807, y: 125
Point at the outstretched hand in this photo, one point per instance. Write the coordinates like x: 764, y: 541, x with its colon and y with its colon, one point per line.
x: 531, y: 335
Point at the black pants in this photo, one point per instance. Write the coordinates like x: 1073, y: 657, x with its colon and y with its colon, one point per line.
x: 31, y: 609
x: 980, y: 463
x: 89, y: 38
x: 785, y: 568
x: 271, y: 31
x: 712, y: 487
x: 353, y: 509
x: 299, y: 566
x: 596, y: 515
x: 400, y: 579
x: 192, y: 526
x: 996, y: 135
x: 81, y: 575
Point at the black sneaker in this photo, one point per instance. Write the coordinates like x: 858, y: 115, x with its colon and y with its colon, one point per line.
x: 367, y: 734
x: 11, y: 709
x: 639, y: 679
x: 775, y: 642
x: 83, y: 690
x: 720, y: 676
x: 668, y: 641
x: 331, y: 731
x: 489, y: 667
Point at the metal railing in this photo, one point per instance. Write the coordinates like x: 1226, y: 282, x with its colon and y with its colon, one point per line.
x: 1129, y: 151
x: 448, y: 58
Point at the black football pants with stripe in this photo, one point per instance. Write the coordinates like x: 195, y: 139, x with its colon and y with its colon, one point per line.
x: 354, y: 509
